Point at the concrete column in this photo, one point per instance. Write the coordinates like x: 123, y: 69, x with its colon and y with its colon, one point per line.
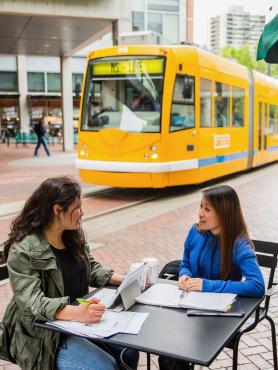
x: 120, y: 26
x: 23, y: 91
x: 67, y: 111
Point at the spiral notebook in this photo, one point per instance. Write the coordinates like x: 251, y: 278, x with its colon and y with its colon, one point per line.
x: 170, y: 296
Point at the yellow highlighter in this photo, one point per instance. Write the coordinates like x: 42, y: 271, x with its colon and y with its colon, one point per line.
x: 82, y: 301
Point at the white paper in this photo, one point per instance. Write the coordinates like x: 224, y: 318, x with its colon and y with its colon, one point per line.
x: 111, y: 323
x: 130, y: 122
x: 169, y: 296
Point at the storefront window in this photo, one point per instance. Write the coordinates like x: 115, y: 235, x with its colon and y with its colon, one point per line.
x: 9, y: 116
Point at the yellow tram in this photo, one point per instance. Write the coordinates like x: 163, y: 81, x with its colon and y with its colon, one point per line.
x: 158, y: 116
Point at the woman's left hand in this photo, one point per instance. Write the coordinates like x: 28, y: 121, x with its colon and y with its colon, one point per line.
x: 194, y: 284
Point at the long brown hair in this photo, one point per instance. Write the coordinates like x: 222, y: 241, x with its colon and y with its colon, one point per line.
x: 37, y: 214
x: 226, y: 204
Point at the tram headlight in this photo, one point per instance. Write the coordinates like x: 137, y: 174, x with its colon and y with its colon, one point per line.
x: 82, y: 152
x: 154, y: 156
x: 153, y: 148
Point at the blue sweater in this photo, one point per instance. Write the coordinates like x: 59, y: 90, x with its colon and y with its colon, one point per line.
x: 201, y: 258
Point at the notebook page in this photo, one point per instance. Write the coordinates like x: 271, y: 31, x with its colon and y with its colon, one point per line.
x: 161, y: 295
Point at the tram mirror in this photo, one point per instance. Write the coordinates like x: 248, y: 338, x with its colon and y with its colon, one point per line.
x: 187, y: 88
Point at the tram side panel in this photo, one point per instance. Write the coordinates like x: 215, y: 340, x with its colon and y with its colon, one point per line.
x: 265, y: 119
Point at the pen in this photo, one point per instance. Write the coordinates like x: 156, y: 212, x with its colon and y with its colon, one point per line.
x: 182, y: 294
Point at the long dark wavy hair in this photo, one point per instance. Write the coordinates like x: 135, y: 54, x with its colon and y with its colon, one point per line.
x: 226, y: 204
x: 38, y: 213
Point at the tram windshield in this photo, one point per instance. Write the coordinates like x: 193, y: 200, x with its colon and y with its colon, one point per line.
x: 125, y: 93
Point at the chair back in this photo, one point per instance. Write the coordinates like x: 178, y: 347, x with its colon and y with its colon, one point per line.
x: 267, y: 254
x: 3, y: 272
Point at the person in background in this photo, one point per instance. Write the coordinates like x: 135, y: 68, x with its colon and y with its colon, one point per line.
x: 40, y: 132
x: 218, y: 252
x: 49, y: 266
x: 144, y: 102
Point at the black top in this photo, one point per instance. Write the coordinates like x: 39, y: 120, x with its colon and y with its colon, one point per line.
x: 74, y: 274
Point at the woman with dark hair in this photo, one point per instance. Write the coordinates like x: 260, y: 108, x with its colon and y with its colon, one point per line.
x: 218, y: 252
x: 50, y: 266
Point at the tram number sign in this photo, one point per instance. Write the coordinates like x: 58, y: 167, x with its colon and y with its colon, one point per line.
x: 126, y: 67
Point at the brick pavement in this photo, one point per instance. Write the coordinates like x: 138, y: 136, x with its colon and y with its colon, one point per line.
x: 163, y: 235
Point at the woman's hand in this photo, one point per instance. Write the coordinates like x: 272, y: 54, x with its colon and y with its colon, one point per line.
x: 91, y: 312
x: 85, y: 312
x: 182, y: 281
x: 193, y: 284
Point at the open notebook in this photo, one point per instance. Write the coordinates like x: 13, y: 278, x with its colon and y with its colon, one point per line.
x: 169, y: 296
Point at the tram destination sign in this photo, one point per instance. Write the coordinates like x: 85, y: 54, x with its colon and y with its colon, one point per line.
x: 128, y: 67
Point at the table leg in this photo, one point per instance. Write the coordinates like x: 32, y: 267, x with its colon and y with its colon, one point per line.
x: 148, y: 361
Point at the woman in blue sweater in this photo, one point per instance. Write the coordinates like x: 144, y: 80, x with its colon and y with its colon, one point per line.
x: 218, y: 252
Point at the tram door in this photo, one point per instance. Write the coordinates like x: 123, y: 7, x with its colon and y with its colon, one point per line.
x: 262, y: 132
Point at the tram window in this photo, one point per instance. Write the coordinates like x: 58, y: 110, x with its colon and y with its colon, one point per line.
x: 124, y: 93
x: 205, y: 103
x: 183, y: 105
x: 221, y: 105
x: 272, y: 118
x: 237, y: 107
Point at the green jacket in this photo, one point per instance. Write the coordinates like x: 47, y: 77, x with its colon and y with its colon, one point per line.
x: 37, y: 284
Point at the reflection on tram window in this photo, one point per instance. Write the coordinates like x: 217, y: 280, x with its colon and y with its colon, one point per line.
x: 130, y: 101
x: 221, y: 105
x: 183, y: 105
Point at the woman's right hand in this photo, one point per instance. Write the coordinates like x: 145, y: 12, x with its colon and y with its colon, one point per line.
x: 182, y: 280
x: 91, y: 312
x: 85, y: 312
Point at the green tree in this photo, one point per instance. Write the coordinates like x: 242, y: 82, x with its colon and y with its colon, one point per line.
x: 247, y: 57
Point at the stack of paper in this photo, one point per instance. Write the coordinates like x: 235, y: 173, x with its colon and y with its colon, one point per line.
x: 111, y: 323
x: 170, y: 296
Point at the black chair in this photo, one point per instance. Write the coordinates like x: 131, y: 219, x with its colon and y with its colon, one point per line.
x: 266, y: 253
x: 6, y: 338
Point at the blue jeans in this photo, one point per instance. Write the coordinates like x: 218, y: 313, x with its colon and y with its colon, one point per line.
x: 41, y: 141
x: 75, y: 353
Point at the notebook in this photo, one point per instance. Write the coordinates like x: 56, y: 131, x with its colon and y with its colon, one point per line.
x: 170, y: 296
x: 235, y: 311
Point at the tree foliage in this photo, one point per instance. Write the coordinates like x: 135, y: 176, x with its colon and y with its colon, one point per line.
x: 247, y: 57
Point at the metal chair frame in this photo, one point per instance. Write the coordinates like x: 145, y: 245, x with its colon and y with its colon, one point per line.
x: 6, y: 337
x: 267, y: 254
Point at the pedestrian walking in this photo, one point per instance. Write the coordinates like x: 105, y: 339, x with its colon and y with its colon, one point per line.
x: 40, y: 132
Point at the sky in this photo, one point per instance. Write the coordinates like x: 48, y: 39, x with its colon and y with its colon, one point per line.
x: 204, y: 9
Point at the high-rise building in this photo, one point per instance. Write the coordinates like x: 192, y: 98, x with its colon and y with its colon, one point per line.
x: 173, y: 19
x: 235, y: 27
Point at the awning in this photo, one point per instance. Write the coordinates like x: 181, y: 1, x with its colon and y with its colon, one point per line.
x: 268, y: 43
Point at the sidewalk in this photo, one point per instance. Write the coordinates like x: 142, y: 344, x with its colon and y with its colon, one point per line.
x: 153, y: 232
x: 21, y: 172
